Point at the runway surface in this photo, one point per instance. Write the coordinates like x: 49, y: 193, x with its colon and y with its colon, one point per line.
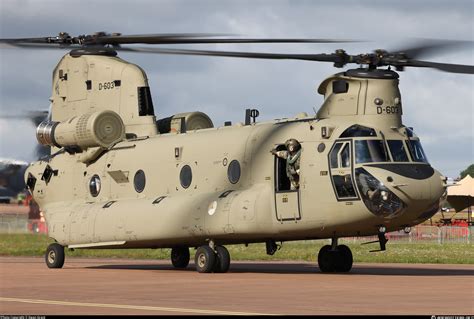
x: 144, y: 287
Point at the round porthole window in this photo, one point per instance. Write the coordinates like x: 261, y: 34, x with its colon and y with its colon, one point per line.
x: 94, y: 185
x: 233, y: 171
x: 139, y: 181
x: 321, y: 147
x: 186, y: 176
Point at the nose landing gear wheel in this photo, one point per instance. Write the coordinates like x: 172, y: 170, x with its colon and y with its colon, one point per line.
x: 54, y: 256
x: 339, y: 260
x: 326, y: 259
x: 223, y: 260
x: 345, y: 259
x: 180, y: 257
x: 205, y: 259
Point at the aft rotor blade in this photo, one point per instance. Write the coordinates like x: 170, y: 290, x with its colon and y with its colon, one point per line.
x: 39, y: 45
x: 103, y: 38
x: 25, y: 40
x: 446, y: 67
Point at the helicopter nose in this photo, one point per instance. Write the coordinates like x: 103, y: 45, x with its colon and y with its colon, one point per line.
x: 393, y: 190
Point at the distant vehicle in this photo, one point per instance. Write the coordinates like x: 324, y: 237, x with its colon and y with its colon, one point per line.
x: 12, y: 171
x: 11, y: 179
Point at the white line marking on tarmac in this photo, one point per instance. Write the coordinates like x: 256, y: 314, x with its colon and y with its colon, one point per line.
x: 134, y: 307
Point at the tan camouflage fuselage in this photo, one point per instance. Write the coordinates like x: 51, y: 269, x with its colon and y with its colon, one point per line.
x: 213, y: 206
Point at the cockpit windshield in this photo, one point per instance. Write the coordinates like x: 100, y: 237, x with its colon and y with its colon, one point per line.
x: 367, y: 151
x: 416, y: 151
x: 397, y: 148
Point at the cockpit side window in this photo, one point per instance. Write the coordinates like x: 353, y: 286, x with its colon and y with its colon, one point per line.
x: 367, y: 151
x: 416, y: 151
x: 345, y: 156
x: 397, y: 149
x: 333, y: 157
x: 341, y: 170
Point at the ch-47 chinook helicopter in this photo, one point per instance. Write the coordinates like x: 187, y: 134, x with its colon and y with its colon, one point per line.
x: 120, y: 178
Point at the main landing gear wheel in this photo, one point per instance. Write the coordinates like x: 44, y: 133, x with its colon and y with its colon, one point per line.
x: 208, y: 260
x: 205, y: 259
x: 54, y: 256
x: 223, y: 260
x: 339, y: 260
x: 180, y: 257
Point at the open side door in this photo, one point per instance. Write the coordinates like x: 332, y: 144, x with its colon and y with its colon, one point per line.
x: 287, y: 201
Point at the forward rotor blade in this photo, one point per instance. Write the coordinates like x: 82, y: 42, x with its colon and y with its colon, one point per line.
x: 233, y: 54
x: 339, y: 59
x: 428, y: 46
x: 446, y: 67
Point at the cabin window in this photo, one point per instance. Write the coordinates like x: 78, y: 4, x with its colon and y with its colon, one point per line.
x: 233, y: 171
x: 94, y: 185
x: 145, y: 103
x: 139, y: 181
x: 367, y: 151
x: 397, y: 149
x: 186, y: 176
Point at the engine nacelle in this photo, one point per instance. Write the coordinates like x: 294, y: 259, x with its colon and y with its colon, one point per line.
x: 97, y: 129
x: 183, y: 122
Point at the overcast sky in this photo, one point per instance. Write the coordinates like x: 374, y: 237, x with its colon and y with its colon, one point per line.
x: 438, y: 105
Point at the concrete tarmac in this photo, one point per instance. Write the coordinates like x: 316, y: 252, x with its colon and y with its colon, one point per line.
x: 147, y: 287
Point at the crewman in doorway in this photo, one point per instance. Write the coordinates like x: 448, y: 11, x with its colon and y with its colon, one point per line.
x: 292, y: 154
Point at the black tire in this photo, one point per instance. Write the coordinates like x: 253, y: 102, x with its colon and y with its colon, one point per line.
x: 180, y: 257
x: 326, y: 259
x: 344, y: 260
x: 223, y: 260
x: 54, y: 256
x: 205, y: 259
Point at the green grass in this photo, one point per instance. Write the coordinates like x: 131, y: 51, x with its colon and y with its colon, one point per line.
x: 397, y: 252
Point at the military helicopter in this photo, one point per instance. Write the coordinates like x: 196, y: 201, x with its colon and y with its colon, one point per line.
x: 120, y: 178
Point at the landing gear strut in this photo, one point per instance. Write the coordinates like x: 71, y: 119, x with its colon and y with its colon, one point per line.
x: 212, y: 260
x: 335, y: 258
